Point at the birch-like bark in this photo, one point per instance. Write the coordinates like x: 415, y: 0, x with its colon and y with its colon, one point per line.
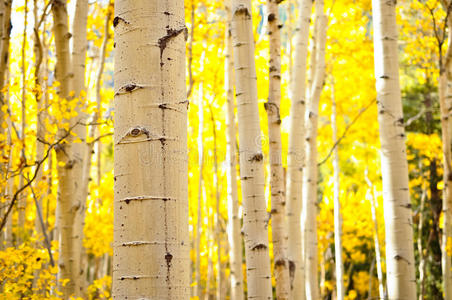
x: 255, y: 218
x: 234, y: 234
x: 220, y: 292
x: 22, y: 201
x: 296, y: 155
x: 199, y: 287
x: 401, y: 278
x: 420, y: 247
x: 337, y: 206
x: 446, y: 129
x: 279, y: 231
x: 64, y: 156
x: 79, y: 47
x: 447, y: 190
x: 310, y: 177
x: 373, y: 199
x: 151, y: 238
x: 5, y: 31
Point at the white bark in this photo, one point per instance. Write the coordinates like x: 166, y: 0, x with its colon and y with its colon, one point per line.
x: 401, y: 278
x: 64, y: 156
x: 372, y: 199
x: 151, y: 238
x: 234, y: 234
x: 255, y: 219
x: 279, y: 231
x: 309, y: 215
x: 201, y: 167
x: 337, y: 206
x: 79, y: 47
x: 296, y: 155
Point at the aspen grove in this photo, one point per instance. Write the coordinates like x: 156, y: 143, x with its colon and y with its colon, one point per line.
x: 236, y: 149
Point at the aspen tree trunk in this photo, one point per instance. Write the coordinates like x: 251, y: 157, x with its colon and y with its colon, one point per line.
x: 372, y: 198
x: 279, y: 231
x: 217, y: 216
x: 64, y: 156
x: 38, y: 50
x: 5, y: 31
x: 296, y: 155
x: 446, y: 128
x: 201, y: 167
x: 420, y: 247
x: 310, y: 176
x: 337, y: 206
x: 151, y: 238
x: 447, y: 190
x: 255, y: 218
x: 234, y: 234
x: 397, y: 208
x: 96, y: 116
x: 79, y: 47
x: 22, y: 201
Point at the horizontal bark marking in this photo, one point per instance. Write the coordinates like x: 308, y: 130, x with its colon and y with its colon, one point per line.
x: 141, y: 198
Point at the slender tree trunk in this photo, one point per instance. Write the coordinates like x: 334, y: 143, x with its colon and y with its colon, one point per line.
x: 372, y: 198
x: 420, y: 247
x: 296, y: 155
x: 397, y: 207
x: 218, y: 221
x: 64, y: 156
x: 199, y: 287
x: 310, y: 176
x: 22, y: 201
x: 151, y: 238
x: 255, y: 219
x: 234, y: 227
x: 5, y: 31
x: 337, y: 206
x: 79, y: 47
x: 445, y: 75
x: 38, y: 49
x: 279, y: 231
x: 447, y: 191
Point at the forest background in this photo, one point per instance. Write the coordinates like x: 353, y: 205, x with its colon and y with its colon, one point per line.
x: 32, y: 114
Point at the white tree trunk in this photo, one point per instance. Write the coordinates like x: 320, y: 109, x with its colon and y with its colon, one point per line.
x: 234, y: 227
x: 337, y: 206
x: 79, y: 47
x: 64, y: 156
x: 201, y: 167
x: 279, y: 231
x: 401, y: 278
x: 310, y: 177
x: 373, y: 199
x: 151, y: 238
x: 296, y: 155
x: 255, y: 219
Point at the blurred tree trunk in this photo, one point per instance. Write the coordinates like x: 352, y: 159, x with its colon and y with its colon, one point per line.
x: 401, y: 278
x: 199, y: 287
x: 234, y: 226
x: 373, y: 199
x: 310, y: 176
x: 22, y: 200
x: 296, y: 155
x: 337, y: 205
x: 79, y: 47
x: 255, y: 219
x: 272, y: 107
x: 65, y: 158
x: 151, y: 237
